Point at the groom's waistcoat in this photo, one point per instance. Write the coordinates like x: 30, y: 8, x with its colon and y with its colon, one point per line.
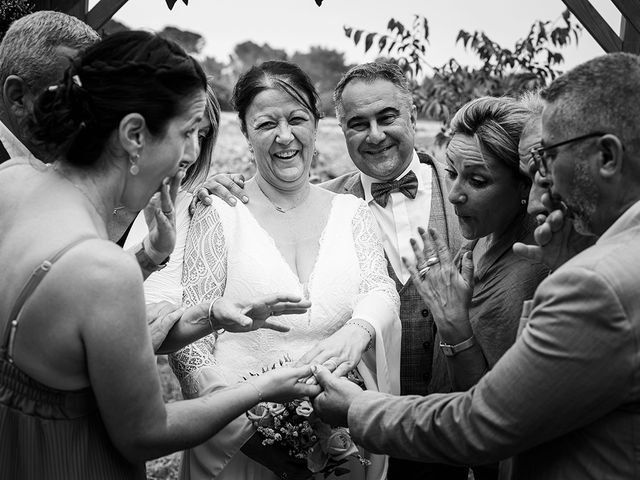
x: 418, y: 328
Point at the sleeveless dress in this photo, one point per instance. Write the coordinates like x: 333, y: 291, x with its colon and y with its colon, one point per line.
x: 227, y: 251
x: 50, y: 434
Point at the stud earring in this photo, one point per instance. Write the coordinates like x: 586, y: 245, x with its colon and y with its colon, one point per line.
x: 134, y: 169
x: 523, y: 201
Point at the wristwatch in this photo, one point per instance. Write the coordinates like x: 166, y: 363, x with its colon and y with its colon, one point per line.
x: 452, y: 350
x: 146, y: 263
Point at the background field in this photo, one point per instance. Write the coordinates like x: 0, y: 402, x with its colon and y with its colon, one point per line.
x: 232, y: 155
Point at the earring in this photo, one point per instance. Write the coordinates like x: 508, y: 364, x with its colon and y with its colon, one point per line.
x: 315, y: 153
x: 134, y: 169
x: 523, y: 201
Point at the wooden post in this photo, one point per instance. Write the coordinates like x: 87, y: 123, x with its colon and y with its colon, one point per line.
x: 102, y: 12
x: 77, y: 8
x: 599, y: 29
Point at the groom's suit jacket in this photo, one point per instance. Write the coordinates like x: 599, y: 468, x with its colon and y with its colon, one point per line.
x: 418, y: 328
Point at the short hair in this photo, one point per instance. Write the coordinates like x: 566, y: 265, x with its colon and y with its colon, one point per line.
x: 496, y: 123
x: 128, y: 72
x: 533, y: 103
x: 601, y: 94
x: 29, y: 47
x: 198, y: 172
x: 370, y: 72
x: 285, y: 76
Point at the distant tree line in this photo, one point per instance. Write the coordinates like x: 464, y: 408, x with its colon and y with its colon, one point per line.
x: 325, y: 66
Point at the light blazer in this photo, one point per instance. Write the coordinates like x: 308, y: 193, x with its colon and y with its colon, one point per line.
x: 418, y: 328
x: 565, y: 399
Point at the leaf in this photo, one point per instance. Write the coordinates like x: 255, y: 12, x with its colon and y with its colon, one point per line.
x: 368, y: 42
x: 318, y: 2
x: 356, y: 36
x: 393, y: 44
x: 382, y: 42
x: 347, y: 31
x: 171, y: 3
x: 425, y: 25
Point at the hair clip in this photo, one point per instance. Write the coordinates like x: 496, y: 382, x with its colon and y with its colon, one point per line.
x: 76, y: 80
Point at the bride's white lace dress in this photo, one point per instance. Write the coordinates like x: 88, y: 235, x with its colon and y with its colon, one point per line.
x: 227, y: 251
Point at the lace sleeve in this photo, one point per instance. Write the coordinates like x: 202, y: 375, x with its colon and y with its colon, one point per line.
x: 204, y: 274
x: 373, y: 264
x: 378, y: 303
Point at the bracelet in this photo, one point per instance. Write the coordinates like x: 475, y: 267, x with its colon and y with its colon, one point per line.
x: 220, y: 330
x: 260, y: 399
x: 366, y: 329
x: 452, y: 350
x: 146, y: 262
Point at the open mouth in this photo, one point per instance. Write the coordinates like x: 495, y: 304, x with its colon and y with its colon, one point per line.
x: 286, y: 154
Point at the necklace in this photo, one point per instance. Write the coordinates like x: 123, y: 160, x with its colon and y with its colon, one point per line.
x: 278, y: 208
x: 77, y: 187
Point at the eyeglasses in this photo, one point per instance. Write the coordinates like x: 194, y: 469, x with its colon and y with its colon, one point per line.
x: 540, y: 155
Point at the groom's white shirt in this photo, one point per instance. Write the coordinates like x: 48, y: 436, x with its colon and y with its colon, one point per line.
x: 400, y: 219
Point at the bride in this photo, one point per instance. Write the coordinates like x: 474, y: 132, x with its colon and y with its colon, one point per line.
x: 292, y: 237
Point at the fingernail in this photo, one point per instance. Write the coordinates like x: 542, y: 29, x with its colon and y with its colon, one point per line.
x: 245, y: 199
x: 232, y: 201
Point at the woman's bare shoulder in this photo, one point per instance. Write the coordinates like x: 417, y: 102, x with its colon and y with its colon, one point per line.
x: 101, y: 267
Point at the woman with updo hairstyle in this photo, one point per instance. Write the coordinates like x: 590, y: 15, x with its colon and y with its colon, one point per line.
x: 80, y: 396
x: 292, y: 237
x: 476, y: 298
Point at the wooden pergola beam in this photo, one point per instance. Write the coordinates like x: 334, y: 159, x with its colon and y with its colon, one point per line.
x: 630, y: 10
x: 102, y: 12
x: 595, y: 25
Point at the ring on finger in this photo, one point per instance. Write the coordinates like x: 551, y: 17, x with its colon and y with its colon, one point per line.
x: 169, y: 212
x: 422, y: 273
x: 431, y: 261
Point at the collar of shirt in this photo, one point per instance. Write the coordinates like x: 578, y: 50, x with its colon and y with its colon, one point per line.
x: 15, y: 148
x: 413, y: 166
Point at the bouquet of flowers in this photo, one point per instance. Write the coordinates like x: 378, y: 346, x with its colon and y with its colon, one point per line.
x: 295, y: 426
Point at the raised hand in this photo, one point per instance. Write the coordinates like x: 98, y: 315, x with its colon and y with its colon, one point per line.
x: 333, y: 403
x: 556, y: 239
x: 227, y: 186
x: 445, y: 289
x: 161, y: 219
x: 248, y: 316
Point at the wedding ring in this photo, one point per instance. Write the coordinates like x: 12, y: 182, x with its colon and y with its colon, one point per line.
x: 423, y: 272
x: 431, y: 261
x: 169, y: 212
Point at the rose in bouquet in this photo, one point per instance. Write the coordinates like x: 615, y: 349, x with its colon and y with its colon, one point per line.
x: 296, y: 427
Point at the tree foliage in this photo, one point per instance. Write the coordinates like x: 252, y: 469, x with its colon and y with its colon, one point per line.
x: 192, y: 42
x: 11, y: 10
x: 531, y: 63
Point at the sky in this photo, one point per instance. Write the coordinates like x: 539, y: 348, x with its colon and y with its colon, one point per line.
x: 295, y: 25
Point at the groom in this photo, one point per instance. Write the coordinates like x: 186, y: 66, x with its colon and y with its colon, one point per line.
x: 404, y: 189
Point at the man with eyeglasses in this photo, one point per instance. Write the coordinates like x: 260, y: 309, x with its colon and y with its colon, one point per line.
x: 565, y: 399
x: 562, y: 242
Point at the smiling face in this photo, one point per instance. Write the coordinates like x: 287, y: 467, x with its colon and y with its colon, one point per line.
x: 379, y: 127
x: 485, y: 193
x: 282, y: 134
x: 162, y: 155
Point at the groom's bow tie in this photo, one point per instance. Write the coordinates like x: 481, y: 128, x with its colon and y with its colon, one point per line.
x: 407, y: 185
